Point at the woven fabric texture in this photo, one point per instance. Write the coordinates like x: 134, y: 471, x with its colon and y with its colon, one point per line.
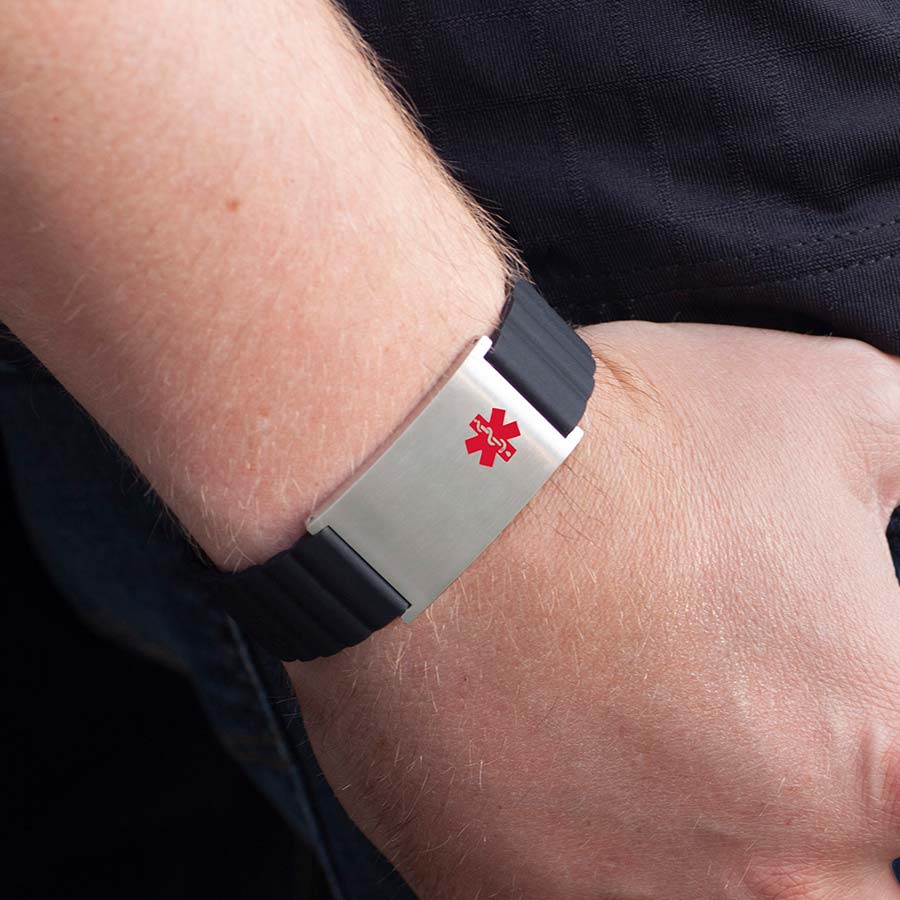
x: 729, y: 161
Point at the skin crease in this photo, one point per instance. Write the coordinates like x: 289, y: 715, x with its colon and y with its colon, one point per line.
x: 676, y: 675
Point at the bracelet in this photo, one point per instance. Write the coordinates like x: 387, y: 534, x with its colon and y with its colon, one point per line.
x: 388, y: 544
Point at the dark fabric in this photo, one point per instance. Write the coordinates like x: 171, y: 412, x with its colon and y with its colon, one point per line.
x: 113, y: 783
x: 728, y: 161
x: 106, y: 545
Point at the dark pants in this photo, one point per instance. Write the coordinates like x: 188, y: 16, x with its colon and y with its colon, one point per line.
x: 122, y: 563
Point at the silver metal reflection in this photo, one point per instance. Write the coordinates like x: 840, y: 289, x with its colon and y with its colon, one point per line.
x: 425, y: 509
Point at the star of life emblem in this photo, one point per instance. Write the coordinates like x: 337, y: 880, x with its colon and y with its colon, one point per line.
x: 493, y: 437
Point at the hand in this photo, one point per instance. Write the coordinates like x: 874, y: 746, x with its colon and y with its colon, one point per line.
x: 677, y: 674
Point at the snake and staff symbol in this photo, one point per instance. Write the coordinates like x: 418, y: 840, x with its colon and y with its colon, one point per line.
x: 493, y: 437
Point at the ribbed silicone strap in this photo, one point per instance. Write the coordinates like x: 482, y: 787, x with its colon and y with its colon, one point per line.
x: 543, y: 358
x: 320, y: 596
x: 311, y: 600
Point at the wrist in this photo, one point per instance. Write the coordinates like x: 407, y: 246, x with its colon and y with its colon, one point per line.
x: 542, y: 541
x: 322, y: 411
x: 419, y: 512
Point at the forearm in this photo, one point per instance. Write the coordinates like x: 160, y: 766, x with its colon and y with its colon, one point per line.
x: 221, y: 234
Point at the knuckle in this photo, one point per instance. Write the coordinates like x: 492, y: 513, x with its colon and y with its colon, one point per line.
x: 877, y: 374
x: 889, y: 792
x: 873, y: 378
x: 791, y: 881
x: 878, y: 774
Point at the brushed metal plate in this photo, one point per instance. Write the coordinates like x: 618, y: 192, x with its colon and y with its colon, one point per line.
x: 425, y: 509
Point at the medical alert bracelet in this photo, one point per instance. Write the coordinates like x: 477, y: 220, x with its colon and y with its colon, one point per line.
x: 390, y: 542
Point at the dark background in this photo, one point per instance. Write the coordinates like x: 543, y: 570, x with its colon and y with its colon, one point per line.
x: 114, y: 784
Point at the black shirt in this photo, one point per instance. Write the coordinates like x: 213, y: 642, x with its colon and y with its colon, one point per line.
x: 727, y: 161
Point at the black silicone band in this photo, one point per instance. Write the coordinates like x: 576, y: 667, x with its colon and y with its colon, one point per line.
x: 311, y: 600
x: 543, y: 358
x: 320, y: 596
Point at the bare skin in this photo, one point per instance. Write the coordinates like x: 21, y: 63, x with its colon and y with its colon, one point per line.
x: 218, y: 260
x: 674, y: 677
x: 677, y: 674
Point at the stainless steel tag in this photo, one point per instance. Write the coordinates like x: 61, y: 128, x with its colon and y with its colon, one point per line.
x: 440, y: 494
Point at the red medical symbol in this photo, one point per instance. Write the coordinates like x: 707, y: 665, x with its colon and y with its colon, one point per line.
x: 492, y: 438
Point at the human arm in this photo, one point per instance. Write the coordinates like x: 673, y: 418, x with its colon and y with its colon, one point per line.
x: 676, y: 675
x: 220, y: 233
x: 516, y: 739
